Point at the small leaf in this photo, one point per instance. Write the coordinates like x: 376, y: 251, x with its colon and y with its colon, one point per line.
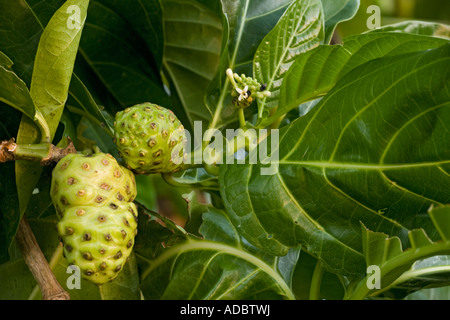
x: 373, y: 246
x: 418, y: 238
x: 13, y: 91
x: 300, y: 29
x: 245, y: 23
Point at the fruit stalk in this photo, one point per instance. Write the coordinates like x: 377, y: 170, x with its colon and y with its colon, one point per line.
x: 39, y: 267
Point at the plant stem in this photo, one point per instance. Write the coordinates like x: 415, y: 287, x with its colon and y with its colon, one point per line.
x: 316, y: 281
x: 57, y: 254
x: 43, y: 126
x: 45, y: 153
x: 39, y: 267
x: 241, y: 118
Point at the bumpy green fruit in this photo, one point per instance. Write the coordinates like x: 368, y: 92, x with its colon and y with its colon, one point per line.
x: 98, y: 240
x: 93, y: 198
x: 150, y: 139
x: 96, y: 179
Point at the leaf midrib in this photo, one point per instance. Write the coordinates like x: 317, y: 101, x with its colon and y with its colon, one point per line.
x: 361, y: 166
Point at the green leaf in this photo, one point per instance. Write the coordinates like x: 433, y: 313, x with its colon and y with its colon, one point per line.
x: 316, y: 72
x: 145, y: 19
x: 53, y: 66
x: 300, y: 29
x: 193, y: 35
x: 245, y: 24
x: 337, y: 11
x: 343, y: 163
x: 222, y: 266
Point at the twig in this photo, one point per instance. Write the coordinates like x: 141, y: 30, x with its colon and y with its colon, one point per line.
x: 39, y: 267
x: 46, y: 153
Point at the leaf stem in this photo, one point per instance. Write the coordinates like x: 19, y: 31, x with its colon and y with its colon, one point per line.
x: 316, y: 281
x: 43, y: 126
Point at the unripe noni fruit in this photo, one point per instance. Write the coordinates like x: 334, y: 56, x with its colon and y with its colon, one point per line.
x: 93, y: 196
x: 150, y: 139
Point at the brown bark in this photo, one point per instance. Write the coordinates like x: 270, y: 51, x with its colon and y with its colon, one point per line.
x: 39, y: 267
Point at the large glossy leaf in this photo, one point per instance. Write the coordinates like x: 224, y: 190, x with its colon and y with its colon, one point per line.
x: 193, y: 35
x: 314, y: 73
x: 145, y: 19
x: 245, y: 24
x: 374, y: 150
x: 221, y: 266
x: 114, y: 48
x: 20, y: 42
x: 300, y: 29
